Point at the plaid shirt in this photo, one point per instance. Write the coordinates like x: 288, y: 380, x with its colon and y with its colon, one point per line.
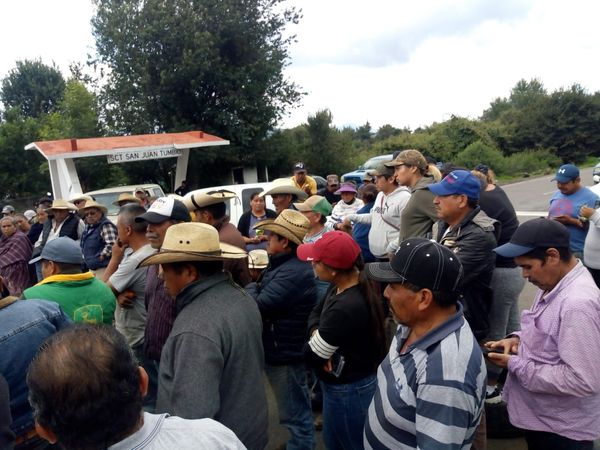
x: 109, y: 235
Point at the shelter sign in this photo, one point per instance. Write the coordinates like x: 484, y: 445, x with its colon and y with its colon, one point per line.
x: 143, y: 155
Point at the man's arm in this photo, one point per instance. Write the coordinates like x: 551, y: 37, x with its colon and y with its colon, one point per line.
x: 196, y: 367
x: 577, y: 374
x: 109, y: 235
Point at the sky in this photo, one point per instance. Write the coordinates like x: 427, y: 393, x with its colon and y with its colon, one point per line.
x: 407, y: 63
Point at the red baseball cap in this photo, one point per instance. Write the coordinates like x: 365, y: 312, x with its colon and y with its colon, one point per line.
x: 335, y: 249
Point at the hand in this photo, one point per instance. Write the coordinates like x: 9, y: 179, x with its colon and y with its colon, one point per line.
x: 586, y: 211
x: 307, y: 190
x: 118, y: 249
x: 328, y: 366
x: 125, y: 299
x: 566, y: 220
x: 509, y: 345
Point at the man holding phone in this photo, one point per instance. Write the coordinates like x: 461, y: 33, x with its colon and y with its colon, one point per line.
x: 553, y: 384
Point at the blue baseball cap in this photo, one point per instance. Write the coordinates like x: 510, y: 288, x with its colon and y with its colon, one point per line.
x: 460, y: 182
x: 566, y: 173
x: 61, y: 250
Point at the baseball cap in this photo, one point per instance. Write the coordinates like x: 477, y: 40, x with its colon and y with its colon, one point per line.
x: 165, y: 208
x: 535, y: 233
x: 460, y: 182
x: 566, y: 173
x: 315, y: 203
x: 29, y: 214
x: 409, y: 157
x: 61, y: 250
x: 299, y: 167
x: 421, y: 262
x: 335, y: 249
x: 8, y: 209
x: 381, y: 170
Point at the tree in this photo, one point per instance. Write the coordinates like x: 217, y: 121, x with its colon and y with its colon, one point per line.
x: 176, y: 65
x: 33, y: 88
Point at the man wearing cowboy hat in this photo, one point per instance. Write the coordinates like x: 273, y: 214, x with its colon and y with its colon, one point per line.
x: 98, y: 237
x: 210, y: 208
x: 61, y: 222
x: 286, y: 294
x: 284, y: 193
x: 212, y: 361
x: 79, y: 200
x: 125, y: 198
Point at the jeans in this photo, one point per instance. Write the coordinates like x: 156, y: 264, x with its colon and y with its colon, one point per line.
x: 543, y: 440
x: 345, y: 412
x: 293, y: 402
x: 507, y: 284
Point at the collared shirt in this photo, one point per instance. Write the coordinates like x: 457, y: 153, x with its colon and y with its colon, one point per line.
x: 162, y: 431
x: 432, y: 395
x: 554, y: 382
x: 309, y: 182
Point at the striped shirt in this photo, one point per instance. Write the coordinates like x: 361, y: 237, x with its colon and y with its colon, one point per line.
x: 432, y: 395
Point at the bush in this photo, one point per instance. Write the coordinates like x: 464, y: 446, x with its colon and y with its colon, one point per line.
x: 531, y: 161
x: 480, y: 153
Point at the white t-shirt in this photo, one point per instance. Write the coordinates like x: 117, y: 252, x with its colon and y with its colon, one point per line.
x: 131, y: 322
x: 162, y: 432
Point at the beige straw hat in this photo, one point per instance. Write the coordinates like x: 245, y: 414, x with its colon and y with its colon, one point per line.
x: 93, y: 204
x: 62, y: 204
x: 192, y: 241
x: 284, y: 186
x: 79, y: 197
x: 290, y: 224
x: 195, y: 200
x: 126, y: 197
x: 258, y: 259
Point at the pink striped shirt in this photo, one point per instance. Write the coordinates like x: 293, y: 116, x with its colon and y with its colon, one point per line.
x: 554, y: 382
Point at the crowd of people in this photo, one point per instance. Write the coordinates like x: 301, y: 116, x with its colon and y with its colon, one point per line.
x: 387, y: 313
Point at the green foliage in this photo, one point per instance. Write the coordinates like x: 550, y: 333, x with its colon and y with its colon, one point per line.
x: 480, y: 153
x: 33, y: 88
x: 530, y: 162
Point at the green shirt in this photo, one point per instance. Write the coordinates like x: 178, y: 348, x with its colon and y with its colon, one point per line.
x: 81, y: 296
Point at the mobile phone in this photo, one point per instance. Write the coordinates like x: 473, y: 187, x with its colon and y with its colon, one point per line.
x: 338, y: 362
x: 486, y: 350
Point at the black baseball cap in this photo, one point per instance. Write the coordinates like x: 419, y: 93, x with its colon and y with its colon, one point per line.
x: 421, y: 262
x: 535, y: 233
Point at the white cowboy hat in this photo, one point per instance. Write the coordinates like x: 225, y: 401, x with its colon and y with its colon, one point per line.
x: 93, y: 204
x: 195, y: 200
x: 284, y: 186
x: 258, y: 259
x: 192, y: 241
x: 62, y: 204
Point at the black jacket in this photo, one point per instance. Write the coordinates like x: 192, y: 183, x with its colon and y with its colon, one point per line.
x: 473, y: 241
x: 286, y: 294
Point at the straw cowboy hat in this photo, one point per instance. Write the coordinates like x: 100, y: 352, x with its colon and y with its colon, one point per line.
x: 62, y: 204
x: 290, y: 224
x: 284, y: 186
x: 192, y: 241
x: 80, y: 197
x: 93, y: 204
x: 258, y: 259
x: 195, y: 200
x: 126, y: 197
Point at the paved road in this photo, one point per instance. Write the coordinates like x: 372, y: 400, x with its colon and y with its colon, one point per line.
x: 529, y: 197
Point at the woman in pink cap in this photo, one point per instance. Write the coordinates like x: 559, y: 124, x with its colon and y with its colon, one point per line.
x: 347, y: 340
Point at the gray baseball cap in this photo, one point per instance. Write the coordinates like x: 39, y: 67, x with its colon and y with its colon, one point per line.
x: 61, y: 250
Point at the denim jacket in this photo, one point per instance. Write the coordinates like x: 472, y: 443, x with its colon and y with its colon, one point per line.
x: 24, y: 325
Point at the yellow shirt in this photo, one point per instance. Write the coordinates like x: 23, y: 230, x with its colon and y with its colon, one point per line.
x: 308, y: 182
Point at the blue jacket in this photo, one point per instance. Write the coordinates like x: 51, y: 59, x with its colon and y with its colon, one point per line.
x: 360, y: 233
x: 24, y: 325
x: 286, y: 294
x: 92, y: 245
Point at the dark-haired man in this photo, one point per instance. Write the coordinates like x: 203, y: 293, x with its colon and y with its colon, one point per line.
x: 553, y: 384
x: 431, y: 386
x: 302, y: 180
x: 210, y: 208
x: 471, y: 235
x: 212, y: 361
x: 103, y: 409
